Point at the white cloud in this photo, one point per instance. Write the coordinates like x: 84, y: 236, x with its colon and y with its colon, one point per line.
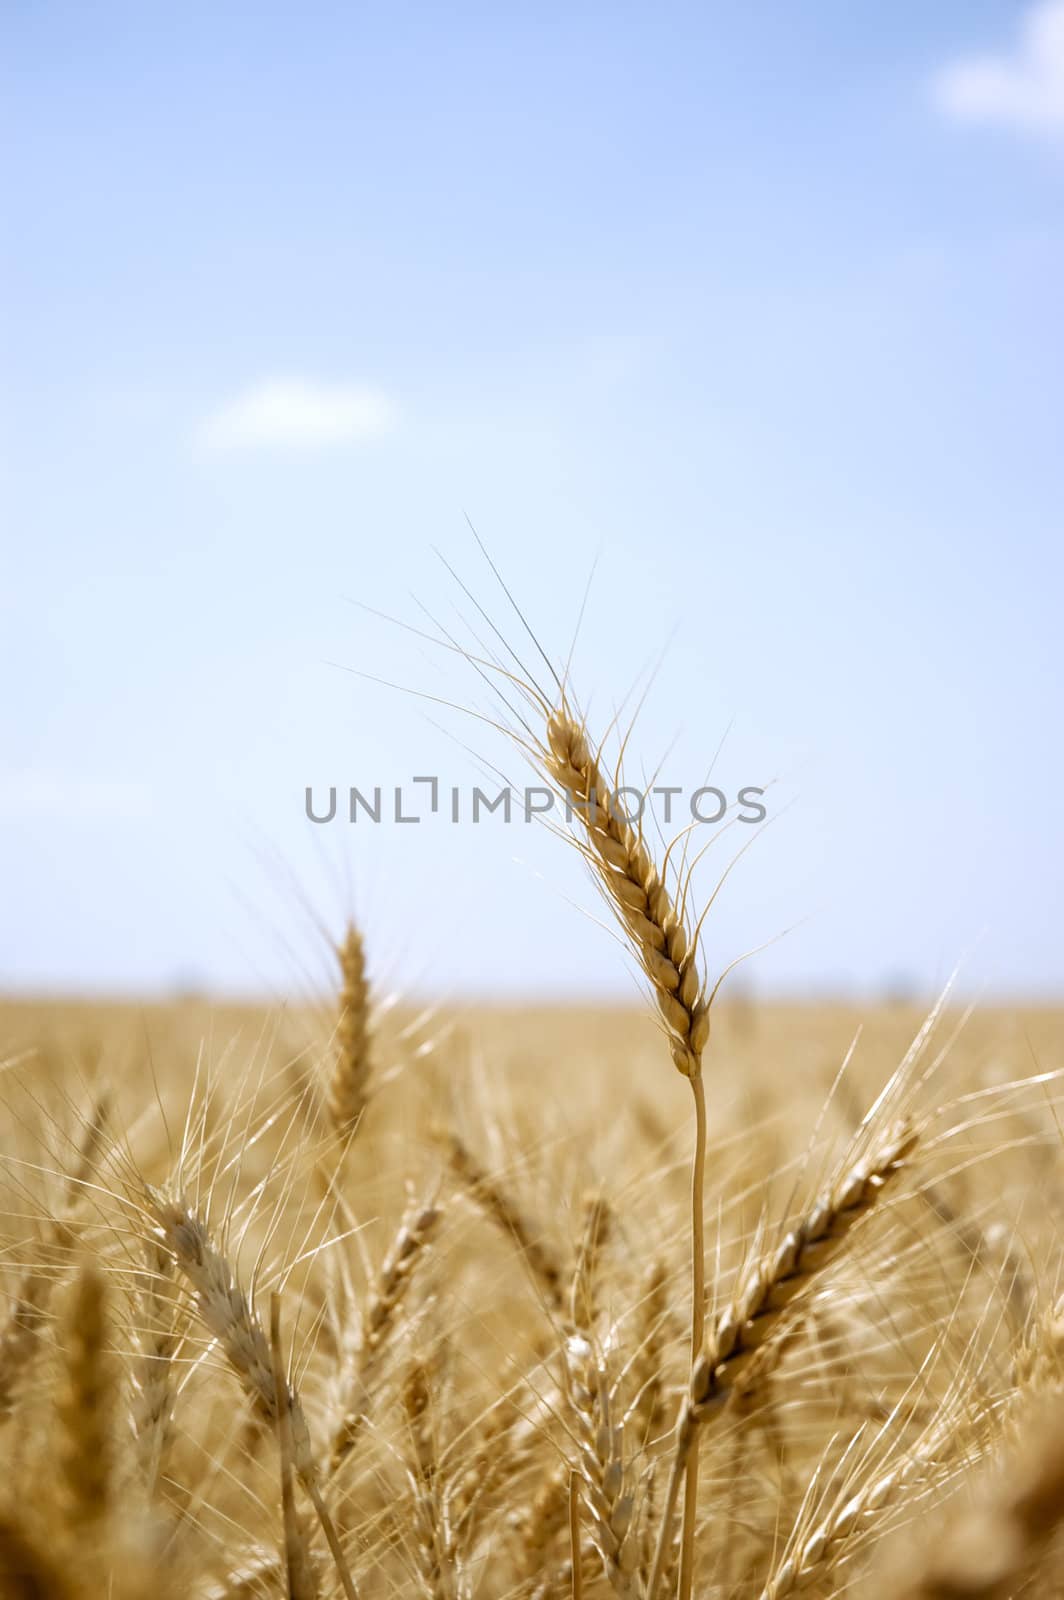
x: 298, y: 414
x: 1024, y: 89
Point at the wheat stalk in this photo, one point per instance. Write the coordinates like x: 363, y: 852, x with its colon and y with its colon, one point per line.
x: 302, y: 1578
x: 666, y: 949
x: 574, y: 1537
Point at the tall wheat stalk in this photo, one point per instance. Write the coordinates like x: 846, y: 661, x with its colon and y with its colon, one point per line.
x: 667, y: 950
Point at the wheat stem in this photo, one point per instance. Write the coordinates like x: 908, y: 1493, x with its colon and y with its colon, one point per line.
x: 302, y: 1581
x: 698, y: 1326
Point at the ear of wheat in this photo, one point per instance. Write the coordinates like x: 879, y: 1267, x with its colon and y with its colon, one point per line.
x: 407, y: 1249
x: 87, y: 1408
x: 350, y: 1083
x: 639, y: 895
x: 228, y: 1314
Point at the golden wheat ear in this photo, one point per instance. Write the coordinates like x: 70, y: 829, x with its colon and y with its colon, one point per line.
x: 602, y: 1465
x: 435, y: 1548
x: 655, y: 923
x: 86, y: 1408
x: 349, y: 1087
x: 841, y: 1518
x: 152, y: 1372
x: 228, y: 1314
x: 640, y: 897
x: 408, y: 1248
x: 599, y: 1225
x: 777, y: 1281
x: 29, y: 1307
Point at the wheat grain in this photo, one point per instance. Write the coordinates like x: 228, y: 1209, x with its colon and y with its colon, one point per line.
x: 575, y: 1552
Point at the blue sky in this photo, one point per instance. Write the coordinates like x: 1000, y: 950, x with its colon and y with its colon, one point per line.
x: 758, y: 307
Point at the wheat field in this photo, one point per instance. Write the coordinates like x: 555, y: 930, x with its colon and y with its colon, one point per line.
x: 483, y: 1290
x: 706, y: 1298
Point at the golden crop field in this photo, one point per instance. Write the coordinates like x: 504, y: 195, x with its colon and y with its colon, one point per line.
x: 322, y: 1302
